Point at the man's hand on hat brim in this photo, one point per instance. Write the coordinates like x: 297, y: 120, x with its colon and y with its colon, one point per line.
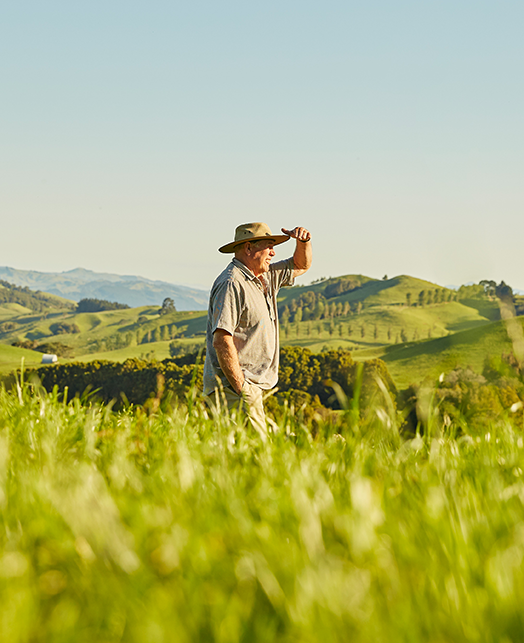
x: 298, y: 233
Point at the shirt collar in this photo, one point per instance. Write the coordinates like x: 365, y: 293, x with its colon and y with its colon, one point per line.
x: 244, y: 268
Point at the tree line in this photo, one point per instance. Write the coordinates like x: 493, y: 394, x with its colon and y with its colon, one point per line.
x: 313, y: 306
x: 122, y: 339
x: 427, y: 297
x: 91, y: 305
x: 34, y: 300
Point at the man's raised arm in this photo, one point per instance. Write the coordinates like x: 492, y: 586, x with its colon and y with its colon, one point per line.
x: 303, y: 255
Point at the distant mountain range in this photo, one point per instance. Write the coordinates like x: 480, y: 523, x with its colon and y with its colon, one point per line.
x: 126, y: 289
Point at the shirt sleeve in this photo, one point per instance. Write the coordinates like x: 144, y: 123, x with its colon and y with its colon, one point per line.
x: 227, y: 307
x: 281, y: 273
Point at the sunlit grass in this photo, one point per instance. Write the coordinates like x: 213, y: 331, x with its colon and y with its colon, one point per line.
x: 151, y: 525
x: 11, y: 356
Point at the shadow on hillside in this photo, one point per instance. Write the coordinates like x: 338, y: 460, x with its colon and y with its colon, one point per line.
x: 487, y: 309
x: 468, y: 325
x: 370, y: 288
x: 435, y: 346
x: 428, y: 346
x: 40, y: 317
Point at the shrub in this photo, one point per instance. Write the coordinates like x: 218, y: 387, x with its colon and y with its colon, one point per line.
x: 178, y: 348
x: 8, y: 326
x: 64, y: 328
x: 31, y: 344
x: 55, y: 348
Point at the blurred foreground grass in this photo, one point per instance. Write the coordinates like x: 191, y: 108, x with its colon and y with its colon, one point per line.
x: 150, y: 526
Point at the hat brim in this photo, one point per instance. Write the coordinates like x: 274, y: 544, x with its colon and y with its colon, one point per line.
x: 277, y: 239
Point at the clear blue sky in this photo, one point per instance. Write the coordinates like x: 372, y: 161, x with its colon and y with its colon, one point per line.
x: 135, y: 136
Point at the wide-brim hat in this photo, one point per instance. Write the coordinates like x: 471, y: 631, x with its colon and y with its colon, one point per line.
x: 253, y: 232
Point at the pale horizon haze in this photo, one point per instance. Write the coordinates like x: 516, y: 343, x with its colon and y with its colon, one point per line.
x: 136, y: 136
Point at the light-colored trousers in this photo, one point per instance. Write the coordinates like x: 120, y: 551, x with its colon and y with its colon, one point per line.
x: 251, y: 402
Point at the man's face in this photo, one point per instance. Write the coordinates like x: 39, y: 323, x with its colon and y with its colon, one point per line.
x: 261, y: 258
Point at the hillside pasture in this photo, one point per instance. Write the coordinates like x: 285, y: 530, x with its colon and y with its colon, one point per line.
x: 390, y: 292
x: 385, y: 325
x: 414, y: 363
x: 151, y: 351
x: 10, y: 310
x: 11, y: 358
x: 371, y: 292
x: 286, y: 295
x: 108, y: 331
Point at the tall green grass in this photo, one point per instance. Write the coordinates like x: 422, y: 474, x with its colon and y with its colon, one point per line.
x: 181, y: 525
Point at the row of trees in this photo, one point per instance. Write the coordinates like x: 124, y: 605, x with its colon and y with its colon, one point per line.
x: 302, y: 310
x: 91, y: 305
x: 313, y: 306
x: 376, y: 332
x: 429, y: 297
x: 135, y: 338
x: 160, y: 333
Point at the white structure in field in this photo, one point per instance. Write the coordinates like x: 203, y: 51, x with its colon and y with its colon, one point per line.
x: 49, y: 359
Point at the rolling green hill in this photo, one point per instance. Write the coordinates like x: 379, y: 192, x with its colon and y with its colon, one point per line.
x: 286, y: 295
x: 31, y: 300
x: 414, y: 361
x: 386, y: 318
x: 469, y: 348
x: 10, y: 310
x: 132, y: 332
x: 378, y: 313
x: 387, y: 325
x: 371, y: 292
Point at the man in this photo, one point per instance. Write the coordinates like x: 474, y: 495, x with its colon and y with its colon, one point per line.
x: 242, y: 325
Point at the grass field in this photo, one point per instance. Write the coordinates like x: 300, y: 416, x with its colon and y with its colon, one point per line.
x: 11, y: 358
x: 183, y: 526
x: 153, y: 350
x: 8, y: 311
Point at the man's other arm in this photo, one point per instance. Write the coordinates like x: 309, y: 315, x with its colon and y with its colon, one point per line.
x: 303, y: 255
x: 227, y: 355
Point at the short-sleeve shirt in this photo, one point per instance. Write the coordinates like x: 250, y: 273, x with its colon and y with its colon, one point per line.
x: 240, y: 305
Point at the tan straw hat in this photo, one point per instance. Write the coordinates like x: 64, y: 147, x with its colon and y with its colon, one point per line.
x: 253, y: 232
